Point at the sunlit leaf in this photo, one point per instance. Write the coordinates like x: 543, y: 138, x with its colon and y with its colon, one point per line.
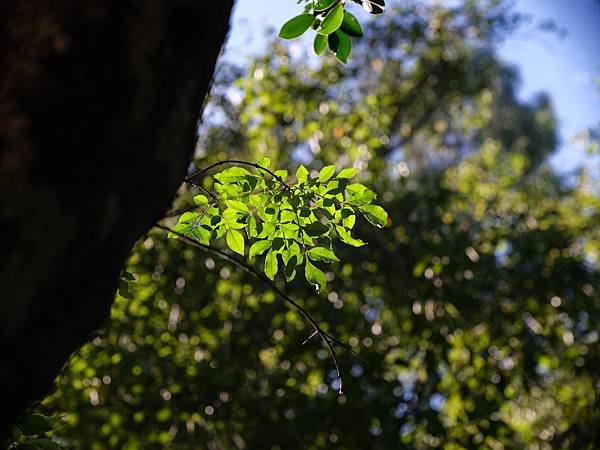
x: 232, y: 174
x: 322, y: 254
x: 259, y: 247
x: 347, y: 238
x: 326, y: 173
x: 202, y: 234
x: 314, y: 275
x: 264, y: 162
x: 332, y: 20
x: 296, y: 26
x: 347, y: 173
x: 271, y: 264
x: 301, y: 174
x: 235, y: 241
x: 237, y: 205
x: 201, y: 200
x: 375, y: 214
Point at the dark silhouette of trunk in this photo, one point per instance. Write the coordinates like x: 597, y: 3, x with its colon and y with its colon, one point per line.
x: 99, y: 102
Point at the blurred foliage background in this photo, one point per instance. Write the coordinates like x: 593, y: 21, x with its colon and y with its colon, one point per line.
x: 477, y: 309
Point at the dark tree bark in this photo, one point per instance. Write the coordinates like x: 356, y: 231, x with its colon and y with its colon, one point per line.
x: 99, y: 101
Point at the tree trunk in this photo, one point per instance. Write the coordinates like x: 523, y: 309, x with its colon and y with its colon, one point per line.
x: 99, y: 102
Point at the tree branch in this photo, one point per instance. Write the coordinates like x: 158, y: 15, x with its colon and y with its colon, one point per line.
x: 329, y: 340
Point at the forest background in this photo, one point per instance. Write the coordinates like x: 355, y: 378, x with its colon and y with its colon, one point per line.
x: 476, y: 309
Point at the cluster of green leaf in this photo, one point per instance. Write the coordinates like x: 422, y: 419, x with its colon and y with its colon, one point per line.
x: 30, y: 433
x: 296, y: 222
x: 333, y: 23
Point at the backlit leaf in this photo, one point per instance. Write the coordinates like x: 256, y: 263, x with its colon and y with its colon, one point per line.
x: 322, y: 254
x: 296, y: 26
x: 375, y: 214
x: 259, y: 247
x: 332, y: 20
x: 271, y: 264
x: 235, y: 241
x: 201, y: 200
x: 326, y: 173
x: 314, y: 276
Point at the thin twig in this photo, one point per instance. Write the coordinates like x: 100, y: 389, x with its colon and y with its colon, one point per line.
x: 192, y: 178
x: 329, y: 340
x: 314, y: 333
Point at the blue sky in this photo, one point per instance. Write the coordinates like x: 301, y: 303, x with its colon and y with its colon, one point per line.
x: 565, y: 68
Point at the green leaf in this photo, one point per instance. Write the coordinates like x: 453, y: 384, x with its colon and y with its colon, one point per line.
x: 235, y: 241
x: 347, y: 238
x: 336, y: 187
x: 355, y: 188
x: 232, y: 216
x: 301, y: 174
x: 180, y: 228
x: 271, y: 265
x: 322, y: 254
x: 320, y: 44
x: 237, y: 205
x: 258, y: 199
x: 287, y: 216
x: 267, y: 230
x: 316, y: 229
x: 290, y: 268
x: 221, y: 230
x: 259, y: 247
x: 278, y: 243
x: 332, y: 20
x: 347, y: 173
x: 201, y: 200
x: 341, y: 45
x: 314, y: 276
x: 283, y: 174
x: 296, y: 26
x: 34, y: 423
x: 375, y: 214
x: 326, y: 173
x: 202, y: 234
x: 232, y: 175
x: 359, y: 194
x: 322, y: 5
x: 189, y: 217
x: 264, y: 162
x: 348, y: 218
x: 351, y: 25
